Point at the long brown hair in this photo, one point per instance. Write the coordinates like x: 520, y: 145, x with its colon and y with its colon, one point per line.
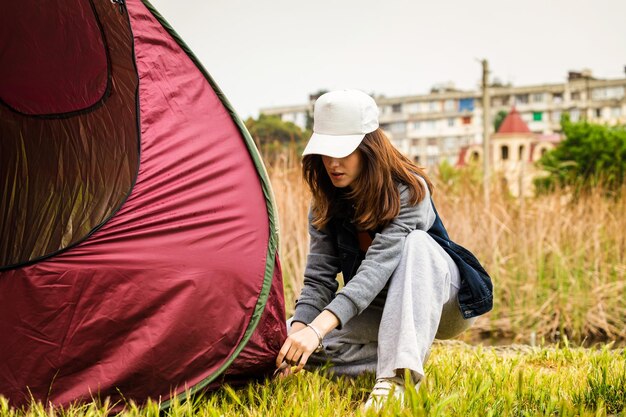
x: 373, y: 196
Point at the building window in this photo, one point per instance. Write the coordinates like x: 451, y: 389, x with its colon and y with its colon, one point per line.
x: 598, y: 113
x: 449, y: 144
x: 467, y: 120
x: 607, y: 93
x: 537, y: 116
x: 521, y: 99
x: 575, y: 95
x: 448, y: 105
x: 432, y: 142
x: 556, y: 116
x: 615, y: 93
x: 538, y: 98
x: 616, y: 112
x: 598, y: 93
x: 398, y: 127
x: 451, y: 122
x: 466, y: 104
x: 415, y: 142
x: 433, y: 106
x: 416, y: 125
x: 413, y: 108
x: 557, y: 98
x: 429, y: 124
x: 574, y: 115
x: 504, y: 151
x: 433, y: 160
x: 396, y: 108
x: 521, y: 152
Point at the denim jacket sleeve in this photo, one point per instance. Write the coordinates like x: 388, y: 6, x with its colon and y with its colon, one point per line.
x: 382, y: 257
x: 320, y: 275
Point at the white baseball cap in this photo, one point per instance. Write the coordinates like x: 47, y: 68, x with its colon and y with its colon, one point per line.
x: 340, y: 121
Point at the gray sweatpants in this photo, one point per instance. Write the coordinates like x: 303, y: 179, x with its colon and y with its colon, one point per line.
x: 396, y: 331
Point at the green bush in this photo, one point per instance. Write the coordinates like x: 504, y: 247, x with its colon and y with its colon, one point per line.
x: 590, y: 155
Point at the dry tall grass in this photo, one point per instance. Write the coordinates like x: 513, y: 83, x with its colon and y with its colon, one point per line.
x: 558, y: 266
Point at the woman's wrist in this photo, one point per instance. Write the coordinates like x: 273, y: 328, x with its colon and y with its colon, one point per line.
x: 296, y: 326
x: 320, y: 338
x: 325, y: 322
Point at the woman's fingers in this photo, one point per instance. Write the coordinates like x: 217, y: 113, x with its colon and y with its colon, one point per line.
x: 282, y: 373
x: 302, y: 362
x: 283, y: 352
x: 289, y: 353
x: 297, y: 348
x: 293, y: 358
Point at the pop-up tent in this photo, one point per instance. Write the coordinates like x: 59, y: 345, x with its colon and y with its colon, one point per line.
x: 138, y: 243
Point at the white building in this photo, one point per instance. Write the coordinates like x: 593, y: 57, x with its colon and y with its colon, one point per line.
x: 433, y: 127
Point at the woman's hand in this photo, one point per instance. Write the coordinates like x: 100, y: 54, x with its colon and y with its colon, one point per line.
x: 296, y: 326
x: 303, y: 341
x: 298, y: 347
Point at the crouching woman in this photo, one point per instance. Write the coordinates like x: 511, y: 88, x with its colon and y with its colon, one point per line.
x: 373, y: 220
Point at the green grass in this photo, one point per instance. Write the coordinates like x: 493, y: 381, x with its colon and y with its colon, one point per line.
x: 462, y: 380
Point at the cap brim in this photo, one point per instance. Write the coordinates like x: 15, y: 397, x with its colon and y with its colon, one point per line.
x: 337, y: 146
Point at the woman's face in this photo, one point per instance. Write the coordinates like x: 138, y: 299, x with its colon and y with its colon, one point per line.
x: 343, y: 171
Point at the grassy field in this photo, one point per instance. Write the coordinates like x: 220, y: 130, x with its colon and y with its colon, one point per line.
x: 462, y: 380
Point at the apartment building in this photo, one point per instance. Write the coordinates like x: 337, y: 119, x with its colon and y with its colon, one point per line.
x: 430, y: 128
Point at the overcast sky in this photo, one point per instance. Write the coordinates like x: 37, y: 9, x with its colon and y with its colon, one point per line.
x: 274, y: 53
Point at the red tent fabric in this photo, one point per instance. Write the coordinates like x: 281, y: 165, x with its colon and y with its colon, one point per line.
x: 138, y: 237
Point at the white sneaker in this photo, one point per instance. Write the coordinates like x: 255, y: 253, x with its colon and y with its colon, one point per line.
x: 385, y: 389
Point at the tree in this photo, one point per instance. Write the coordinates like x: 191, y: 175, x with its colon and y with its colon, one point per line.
x: 497, y: 121
x: 272, y: 131
x: 591, y: 154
